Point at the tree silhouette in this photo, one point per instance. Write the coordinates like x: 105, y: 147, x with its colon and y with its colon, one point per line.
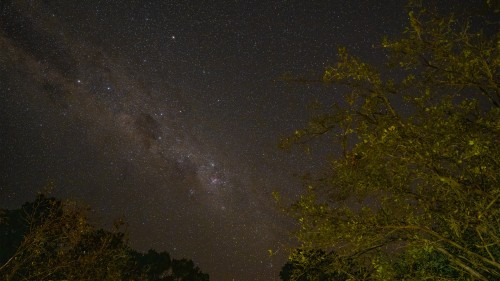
x: 49, y: 239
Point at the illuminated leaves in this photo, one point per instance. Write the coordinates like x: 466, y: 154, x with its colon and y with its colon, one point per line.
x: 416, y: 180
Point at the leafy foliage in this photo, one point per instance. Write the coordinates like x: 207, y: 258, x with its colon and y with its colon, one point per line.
x: 415, y: 192
x: 305, y: 265
x: 52, y: 240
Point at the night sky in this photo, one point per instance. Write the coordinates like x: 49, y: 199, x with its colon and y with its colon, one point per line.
x: 168, y: 114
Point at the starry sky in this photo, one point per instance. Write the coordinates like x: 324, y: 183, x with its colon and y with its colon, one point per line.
x: 168, y: 114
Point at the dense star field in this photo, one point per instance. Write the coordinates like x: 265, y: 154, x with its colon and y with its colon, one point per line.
x: 168, y: 114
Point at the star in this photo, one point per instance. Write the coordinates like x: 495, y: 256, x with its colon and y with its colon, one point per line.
x: 122, y: 118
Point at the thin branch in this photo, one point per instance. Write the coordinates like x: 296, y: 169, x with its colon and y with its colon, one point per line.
x: 462, y: 265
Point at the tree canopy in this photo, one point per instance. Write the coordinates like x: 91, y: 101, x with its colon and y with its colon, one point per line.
x: 50, y: 239
x: 414, y: 192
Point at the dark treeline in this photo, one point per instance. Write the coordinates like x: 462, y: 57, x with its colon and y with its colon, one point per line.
x: 50, y: 239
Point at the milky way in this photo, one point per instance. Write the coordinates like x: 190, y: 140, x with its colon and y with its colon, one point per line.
x: 169, y: 115
x: 139, y: 156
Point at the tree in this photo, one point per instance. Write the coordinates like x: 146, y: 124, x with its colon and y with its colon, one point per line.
x: 417, y: 179
x: 49, y: 239
x: 152, y: 264
x: 185, y: 270
x: 57, y: 242
x: 313, y: 266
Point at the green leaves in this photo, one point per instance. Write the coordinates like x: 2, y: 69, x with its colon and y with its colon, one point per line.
x: 417, y: 181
